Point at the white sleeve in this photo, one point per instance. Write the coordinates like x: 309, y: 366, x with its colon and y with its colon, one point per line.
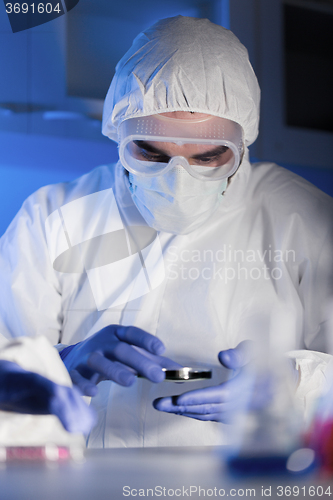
x: 314, y: 368
x: 316, y: 290
x: 30, y: 294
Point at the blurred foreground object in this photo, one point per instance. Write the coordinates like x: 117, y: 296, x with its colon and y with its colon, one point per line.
x: 38, y: 406
x: 48, y: 453
x: 321, y: 430
x: 320, y: 435
x: 268, y: 430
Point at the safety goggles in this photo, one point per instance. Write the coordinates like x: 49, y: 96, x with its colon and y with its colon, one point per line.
x: 209, y: 148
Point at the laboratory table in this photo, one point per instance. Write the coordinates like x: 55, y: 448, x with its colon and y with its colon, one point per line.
x: 165, y: 473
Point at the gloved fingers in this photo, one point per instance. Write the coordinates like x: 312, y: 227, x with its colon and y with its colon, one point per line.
x: 111, y: 370
x: 10, y: 366
x: 213, y: 412
x: 30, y: 392
x: 75, y: 415
x: 107, y: 341
x: 213, y: 417
x: 238, y: 357
x: 22, y: 391
x: 208, y: 395
x: 209, y: 409
x: 232, y: 390
x: 143, y: 365
x: 169, y: 405
x: 86, y: 387
x: 168, y: 363
x: 140, y: 338
x: 159, y: 360
x: 165, y: 404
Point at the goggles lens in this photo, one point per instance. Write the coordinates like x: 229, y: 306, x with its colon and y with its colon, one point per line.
x: 206, y: 152
x: 152, y: 158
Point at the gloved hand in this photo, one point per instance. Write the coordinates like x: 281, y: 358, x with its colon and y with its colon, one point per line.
x: 115, y: 353
x: 22, y: 391
x: 217, y: 403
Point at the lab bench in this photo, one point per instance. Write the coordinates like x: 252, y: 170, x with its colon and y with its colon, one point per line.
x: 115, y: 474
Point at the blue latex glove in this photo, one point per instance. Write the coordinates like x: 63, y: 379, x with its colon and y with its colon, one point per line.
x: 22, y: 391
x: 115, y: 353
x: 217, y: 403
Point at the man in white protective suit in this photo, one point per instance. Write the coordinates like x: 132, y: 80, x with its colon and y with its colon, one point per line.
x: 182, y: 245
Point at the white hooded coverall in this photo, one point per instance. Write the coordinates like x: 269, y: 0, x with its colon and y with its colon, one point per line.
x: 79, y: 256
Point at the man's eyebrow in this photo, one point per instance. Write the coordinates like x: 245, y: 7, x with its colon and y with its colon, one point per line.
x: 148, y: 147
x: 213, y: 152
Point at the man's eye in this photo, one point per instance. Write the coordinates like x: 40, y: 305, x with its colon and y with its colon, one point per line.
x: 209, y: 160
x: 213, y: 160
x: 153, y: 157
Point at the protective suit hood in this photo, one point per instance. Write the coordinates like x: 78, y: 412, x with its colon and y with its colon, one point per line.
x: 184, y: 64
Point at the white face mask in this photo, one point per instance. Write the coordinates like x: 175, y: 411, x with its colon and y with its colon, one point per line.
x: 176, y: 202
